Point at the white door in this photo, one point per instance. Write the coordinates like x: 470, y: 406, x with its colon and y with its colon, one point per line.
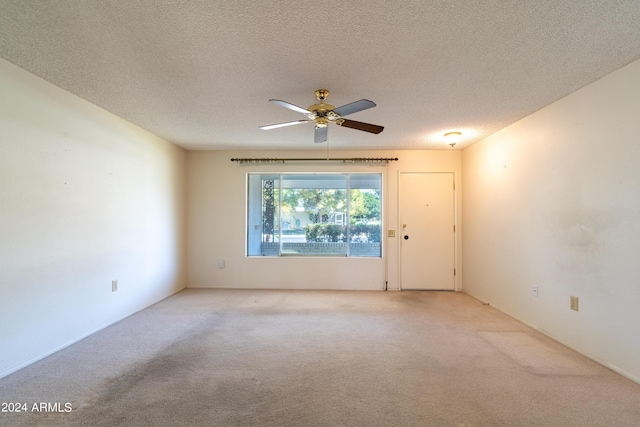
x: 427, y: 234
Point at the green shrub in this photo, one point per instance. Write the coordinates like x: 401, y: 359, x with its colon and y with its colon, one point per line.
x: 367, y: 232
x: 322, y: 233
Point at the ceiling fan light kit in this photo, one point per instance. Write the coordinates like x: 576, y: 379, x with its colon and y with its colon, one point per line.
x: 322, y: 114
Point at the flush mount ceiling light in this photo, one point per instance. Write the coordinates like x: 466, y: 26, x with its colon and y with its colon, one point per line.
x: 452, y: 138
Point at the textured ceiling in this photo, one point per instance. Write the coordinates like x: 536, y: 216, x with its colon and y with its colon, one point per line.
x: 200, y: 73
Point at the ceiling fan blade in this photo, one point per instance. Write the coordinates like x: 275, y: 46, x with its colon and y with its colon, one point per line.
x: 367, y: 127
x: 354, y: 107
x: 290, y: 106
x: 320, y: 134
x: 281, y: 125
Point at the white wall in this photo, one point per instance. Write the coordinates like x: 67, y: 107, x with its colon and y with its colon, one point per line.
x: 554, y: 201
x: 216, y: 217
x: 85, y: 198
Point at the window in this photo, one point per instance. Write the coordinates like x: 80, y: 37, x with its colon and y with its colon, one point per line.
x: 322, y: 214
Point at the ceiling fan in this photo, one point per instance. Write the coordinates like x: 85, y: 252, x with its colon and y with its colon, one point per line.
x: 321, y: 114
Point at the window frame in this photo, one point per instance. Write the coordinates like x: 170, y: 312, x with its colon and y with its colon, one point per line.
x: 280, y: 177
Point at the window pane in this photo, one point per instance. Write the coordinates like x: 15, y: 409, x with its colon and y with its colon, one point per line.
x: 262, y: 215
x: 314, y: 208
x: 365, y: 210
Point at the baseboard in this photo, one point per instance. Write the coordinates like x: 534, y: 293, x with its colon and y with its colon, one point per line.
x: 545, y: 333
x: 79, y: 338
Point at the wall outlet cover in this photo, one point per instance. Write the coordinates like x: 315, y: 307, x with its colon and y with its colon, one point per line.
x: 574, y: 303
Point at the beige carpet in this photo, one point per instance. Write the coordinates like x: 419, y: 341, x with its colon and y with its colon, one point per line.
x: 319, y: 358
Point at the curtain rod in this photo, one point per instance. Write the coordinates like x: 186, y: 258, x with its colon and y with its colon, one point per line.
x: 303, y: 159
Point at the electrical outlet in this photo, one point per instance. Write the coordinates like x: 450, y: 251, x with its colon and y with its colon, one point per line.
x: 114, y: 285
x: 534, y: 291
x: 573, y: 303
x: 221, y: 263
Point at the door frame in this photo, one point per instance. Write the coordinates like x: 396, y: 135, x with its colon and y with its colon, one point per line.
x: 457, y: 275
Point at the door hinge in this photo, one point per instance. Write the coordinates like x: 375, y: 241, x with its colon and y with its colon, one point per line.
x: 454, y: 228
x: 454, y: 271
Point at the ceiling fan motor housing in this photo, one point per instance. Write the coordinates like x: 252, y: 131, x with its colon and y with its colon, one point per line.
x: 322, y: 112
